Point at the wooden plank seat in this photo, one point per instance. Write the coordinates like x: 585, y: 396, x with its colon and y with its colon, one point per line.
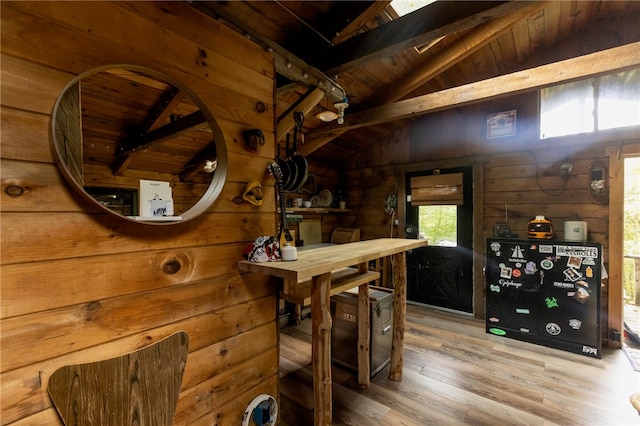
x: 341, y: 279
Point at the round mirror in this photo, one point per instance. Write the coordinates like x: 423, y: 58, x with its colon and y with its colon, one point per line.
x: 138, y: 144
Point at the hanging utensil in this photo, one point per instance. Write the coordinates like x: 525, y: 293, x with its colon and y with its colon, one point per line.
x: 293, y: 171
x: 302, y: 167
x: 282, y: 162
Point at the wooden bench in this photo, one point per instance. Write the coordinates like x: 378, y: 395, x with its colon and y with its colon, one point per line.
x: 341, y: 280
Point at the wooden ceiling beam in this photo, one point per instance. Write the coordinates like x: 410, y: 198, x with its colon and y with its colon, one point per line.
x: 158, y: 115
x: 304, y: 104
x: 161, y: 134
x: 286, y: 63
x: 414, y: 29
x: 580, y: 67
x: 354, y: 27
x: 472, y: 41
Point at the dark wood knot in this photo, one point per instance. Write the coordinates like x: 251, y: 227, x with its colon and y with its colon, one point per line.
x: 14, y: 190
x: 171, y: 267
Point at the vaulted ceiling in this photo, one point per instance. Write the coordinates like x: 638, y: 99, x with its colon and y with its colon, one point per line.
x: 324, y: 50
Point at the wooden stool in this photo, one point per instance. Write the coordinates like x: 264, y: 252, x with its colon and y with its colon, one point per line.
x: 345, y: 235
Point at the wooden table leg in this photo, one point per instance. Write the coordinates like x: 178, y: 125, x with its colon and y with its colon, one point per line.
x: 364, y: 332
x: 321, y: 348
x: 399, y: 314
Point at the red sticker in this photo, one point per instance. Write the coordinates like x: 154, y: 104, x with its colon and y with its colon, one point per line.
x: 516, y: 273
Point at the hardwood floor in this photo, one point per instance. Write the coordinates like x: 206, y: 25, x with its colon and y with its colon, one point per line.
x: 455, y: 373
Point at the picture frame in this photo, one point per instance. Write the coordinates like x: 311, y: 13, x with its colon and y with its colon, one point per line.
x: 501, y: 124
x: 123, y: 201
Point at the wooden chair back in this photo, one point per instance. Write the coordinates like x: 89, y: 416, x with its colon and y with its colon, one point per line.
x: 345, y: 235
x: 139, y: 388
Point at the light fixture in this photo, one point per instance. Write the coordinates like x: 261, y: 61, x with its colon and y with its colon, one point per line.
x: 210, y: 166
x: 341, y: 106
x: 328, y: 116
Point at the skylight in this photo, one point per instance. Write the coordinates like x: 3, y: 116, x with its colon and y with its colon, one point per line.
x: 402, y: 7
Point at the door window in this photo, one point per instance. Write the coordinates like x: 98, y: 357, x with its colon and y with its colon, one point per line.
x: 438, y: 225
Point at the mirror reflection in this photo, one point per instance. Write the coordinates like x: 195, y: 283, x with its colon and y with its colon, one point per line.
x: 138, y: 145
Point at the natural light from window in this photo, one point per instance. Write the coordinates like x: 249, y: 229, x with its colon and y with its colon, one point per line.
x: 402, y: 7
x: 438, y: 225
x: 601, y: 103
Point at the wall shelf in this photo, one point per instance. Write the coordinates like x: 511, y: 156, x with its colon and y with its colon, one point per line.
x: 317, y: 210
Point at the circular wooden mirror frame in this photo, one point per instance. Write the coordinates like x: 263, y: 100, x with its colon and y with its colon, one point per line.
x: 217, y: 181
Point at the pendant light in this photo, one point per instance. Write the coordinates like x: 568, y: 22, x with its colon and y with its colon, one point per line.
x: 328, y: 115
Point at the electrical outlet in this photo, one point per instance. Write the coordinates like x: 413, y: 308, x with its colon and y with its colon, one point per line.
x: 615, y: 336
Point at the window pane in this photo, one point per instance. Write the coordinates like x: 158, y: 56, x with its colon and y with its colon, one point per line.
x: 619, y: 100
x: 567, y: 109
x: 438, y: 224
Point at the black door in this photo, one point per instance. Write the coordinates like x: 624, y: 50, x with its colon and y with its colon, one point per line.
x: 441, y: 273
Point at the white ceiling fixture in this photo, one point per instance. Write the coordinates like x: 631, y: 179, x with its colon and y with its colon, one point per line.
x: 328, y: 116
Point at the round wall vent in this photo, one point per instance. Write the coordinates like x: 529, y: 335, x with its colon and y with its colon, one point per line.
x: 262, y: 411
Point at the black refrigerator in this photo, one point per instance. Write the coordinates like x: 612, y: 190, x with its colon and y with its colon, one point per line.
x: 545, y: 292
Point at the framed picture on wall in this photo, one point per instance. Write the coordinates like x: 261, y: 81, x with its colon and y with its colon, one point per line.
x: 121, y: 200
x: 501, y: 124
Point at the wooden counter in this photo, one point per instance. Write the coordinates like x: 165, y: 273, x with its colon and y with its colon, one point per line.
x: 316, y: 265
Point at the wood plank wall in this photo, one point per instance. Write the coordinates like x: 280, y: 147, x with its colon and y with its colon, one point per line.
x: 521, y: 173
x: 79, y: 285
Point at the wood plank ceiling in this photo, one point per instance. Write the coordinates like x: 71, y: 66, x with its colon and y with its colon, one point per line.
x: 377, y: 58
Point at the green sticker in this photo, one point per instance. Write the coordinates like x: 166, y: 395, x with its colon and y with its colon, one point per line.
x: 497, y: 331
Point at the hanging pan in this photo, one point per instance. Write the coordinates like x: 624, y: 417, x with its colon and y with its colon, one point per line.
x: 293, y: 171
x: 284, y: 165
x: 302, y: 168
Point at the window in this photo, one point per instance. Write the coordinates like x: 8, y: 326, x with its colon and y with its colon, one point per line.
x: 437, y: 198
x: 619, y: 100
x: 402, y: 7
x: 585, y: 106
x: 438, y: 225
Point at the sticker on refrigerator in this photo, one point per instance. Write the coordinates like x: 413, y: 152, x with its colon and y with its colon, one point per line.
x: 574, y: 262
x: 516, y: 254
x: 530, y: 268
x: 582, y: 293
x: 509, y: 283
x: 572, y: 274
x: 545, y: 248
x: 575, y: 323
x: 495, y: 247
x: 546, y: 264
x: 578, y: 251
x: 553, y: 328
x: 505, y: 272
x: 551, y: 302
